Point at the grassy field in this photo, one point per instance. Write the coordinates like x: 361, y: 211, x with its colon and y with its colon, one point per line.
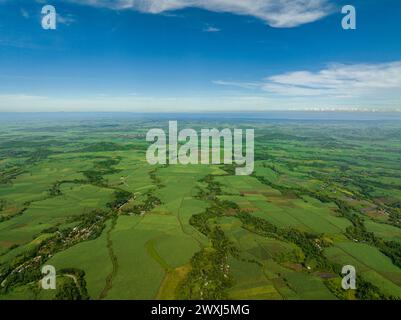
x: 80, y: 196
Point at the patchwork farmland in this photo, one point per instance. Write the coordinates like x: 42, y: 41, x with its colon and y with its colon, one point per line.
x: 83, y: 199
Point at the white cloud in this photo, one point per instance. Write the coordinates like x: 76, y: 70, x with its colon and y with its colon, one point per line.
x: 231, y: 103
x: 276, y: 13
x: 27, y: 103
x: 211, y: 29
x: 244, y: 85
x: 381, y: 80
x: 65, y: 19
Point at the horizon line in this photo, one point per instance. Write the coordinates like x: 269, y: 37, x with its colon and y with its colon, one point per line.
x: 222, y: 111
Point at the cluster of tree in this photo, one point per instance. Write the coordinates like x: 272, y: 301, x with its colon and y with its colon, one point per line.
x: 151, y: 202
x: 9, y: 174
x: 155, y: 179
x: 68, y: 291
x: 391, y: 249
x: 39, y: 155
x: 120, y: 198
x: 200, y: 221
x: 89, y: 218
x: 74, y: 285
x: 54, y: 190
x: 257, y: 225
x: 27, y: 273
x: 367, y: 291
x: 106, y: 146
x: 209, y: 277
x: 10, y: 216
x: 101, y: 168
x: 93, y: 221
x: 229, y: 168
x: 212, y: 190
x: 217, y: 208
x: 107, y: 163
x: 310, y: 244
x: 95, y: 177
x: 395, y: 214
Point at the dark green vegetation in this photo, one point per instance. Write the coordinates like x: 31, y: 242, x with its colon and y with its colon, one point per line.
x: 80, y: 196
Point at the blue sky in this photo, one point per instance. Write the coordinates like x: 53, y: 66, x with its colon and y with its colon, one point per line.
x: 192, y: 55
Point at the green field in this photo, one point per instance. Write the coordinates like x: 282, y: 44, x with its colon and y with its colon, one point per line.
x: 80, y: 196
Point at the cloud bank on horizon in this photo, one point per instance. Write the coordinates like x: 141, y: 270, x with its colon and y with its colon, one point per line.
x: 337, y: 81
x: 276, y: 13
x: 345, y: 86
